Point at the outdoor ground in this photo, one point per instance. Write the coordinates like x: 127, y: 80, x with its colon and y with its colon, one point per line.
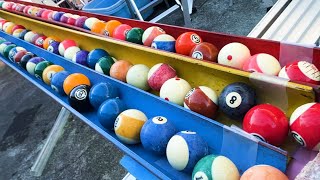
x: 27, y: 114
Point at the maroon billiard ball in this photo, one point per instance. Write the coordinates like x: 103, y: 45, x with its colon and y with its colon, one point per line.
x: 205, y: 51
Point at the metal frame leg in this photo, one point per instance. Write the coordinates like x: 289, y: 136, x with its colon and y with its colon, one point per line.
x: 186, y: 15
x: 135, y: 8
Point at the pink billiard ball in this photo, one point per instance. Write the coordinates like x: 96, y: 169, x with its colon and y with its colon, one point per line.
x: 202, y: 100
x: 151, y: 33
x: 25, y: 10
x: 45, y: 14
x: 121, y: 31
x: 263, y: 63
x: 64, y: 45
x: 302, y: 71
x: 159, y: 74
x: 267, y: 123
x: 305, y: 125
x: 175, y: 90
x: 234, y: 55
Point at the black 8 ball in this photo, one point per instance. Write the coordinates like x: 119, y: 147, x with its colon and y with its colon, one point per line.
x: 79, y: 98
x: 236, y: 100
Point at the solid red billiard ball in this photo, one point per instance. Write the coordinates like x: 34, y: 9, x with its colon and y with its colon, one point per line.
x: 202, y: 100
x: 186, y: 42
x: 121, y: 31
x: 267, y: 123
x: 205, y: 51
x: 302, y: 71
x: 263, y: 63
x: 305, y: 125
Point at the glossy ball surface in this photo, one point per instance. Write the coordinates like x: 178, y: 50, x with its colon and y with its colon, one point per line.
x: 121, y: 31
x: 57, y: 81
x: 205, y: 51
x: 263, y: 63
x: 263, y: 172
x: 120, y: 69
x: 94, y: 56
x: 151, y: 33
x: 74, y: 80
x: 175, y: 90
x: 138, y: 76
x: 159, y: 74
x: 102, y: 92
x: 134, y: 35
x: 234, y: 55
x: 79, y: 99
x: 49, y: 72
x: 109, y: 111
x: 186, y: 42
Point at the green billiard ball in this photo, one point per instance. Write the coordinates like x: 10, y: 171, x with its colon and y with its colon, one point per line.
x: 104, y: 64
x: 40, y: 67
x: 135, y: 35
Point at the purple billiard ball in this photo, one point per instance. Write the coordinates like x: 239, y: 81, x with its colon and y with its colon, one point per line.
x: 80, y: 21
x: 81, y: 57
x: 39, y: 13
x: 57, y: 15
x: 54, y: 47
x: 64, y: 18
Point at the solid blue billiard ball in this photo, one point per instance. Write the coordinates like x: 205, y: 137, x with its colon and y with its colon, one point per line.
x: 94, y: 56
x: 57, y: 81
x: 54, y: 47
x: 156, y: 133
x: 24, y: 60
x: 109, y: 111
x: 236, y: 100
x: 81, y: 57
x: 57, y: 15
x: 101, y: 92
x: 185, y: 149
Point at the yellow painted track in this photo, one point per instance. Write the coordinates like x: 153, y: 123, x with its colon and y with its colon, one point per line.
x: 195, y: 72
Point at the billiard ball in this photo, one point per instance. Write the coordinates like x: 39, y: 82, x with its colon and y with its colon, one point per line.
x: 137, y: 76
x: 4, y: 45
x: 64, y: 18
x: 13, y: 52
x: 215, y: 167
x: 24, y: 60
x: 134, y: 35
x: 305, y: 125
x: 205, y: 51
x: 102, y: 92
x: 234, y: 55
x: 17, y: 27
x: 104, y: 65
x: 263, y: 63
x: 54, y: 47
x: 94, y: 56
x: 267, y: 123
x: 64, y: 45
x: 186, y: 42
x: 49, y: 40
x: 70, y: 52
x: 79, y: 99
x: 74, y: 80
x: 98, y: 27
x: 151, y: 33
x: 120, y: 69
x: 29, y: 36
x: 80, y: 21
x: 21, y: 7
x: 25, y: 10
x: 49, y: 72
x: 31, y: 64
x: 8, y: 26
x: 18, y: 56
x: 7, y: 49
x: 40, y: 67
x: 2, y: 22
x: 81, y: 57
x: 302, y: 71
x: 22, y: 33
x: 39, y: 41
x: 236, y: 100
x: 175, y: 90
x: 72, y: 19
x: 128, y: 126
x: 121, y: 31
x: 89, y: 23
x: 110, y: 27
x: 156, y: 133
x: 185, y: 149
x: 46, y: 14
x: 159, y: 74
x: 39, y: 13
x: 16, y: 33
x: 57, y: 81
x: 263, y: 172
x: 202, y: 100
x: 34, y: 38
x: 57, y: 15
x: 34, y: 11
x: 109, y: 111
